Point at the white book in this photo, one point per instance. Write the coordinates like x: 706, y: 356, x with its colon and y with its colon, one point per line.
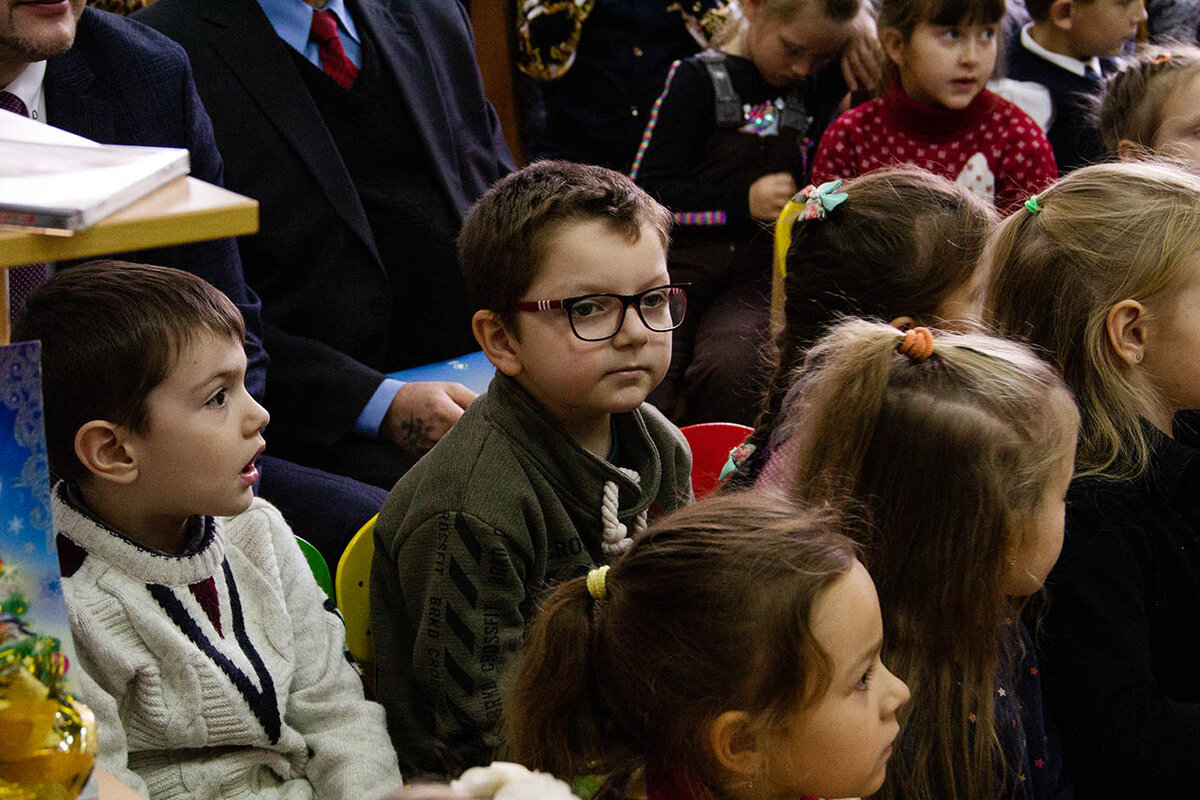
x: 58, y: 182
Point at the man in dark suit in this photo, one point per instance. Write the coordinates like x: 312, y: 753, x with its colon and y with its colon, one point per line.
x: 117, y: 82
x: 363, y: 183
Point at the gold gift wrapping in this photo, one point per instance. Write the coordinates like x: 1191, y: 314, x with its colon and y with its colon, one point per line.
x: 55, y: 766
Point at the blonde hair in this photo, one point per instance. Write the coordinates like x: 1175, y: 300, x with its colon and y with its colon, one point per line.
x: 1134, y: 98
x: 780, y: 11
x: 1105, y: 233
x: 944, y: 460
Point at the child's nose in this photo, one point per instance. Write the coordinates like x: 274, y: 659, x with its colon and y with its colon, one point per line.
x: 632, y: 328
x: 803, y: 66
x: 898, y: 693
x: 257, y: 417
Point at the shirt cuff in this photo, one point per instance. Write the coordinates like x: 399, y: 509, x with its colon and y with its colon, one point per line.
x: 375, y: 410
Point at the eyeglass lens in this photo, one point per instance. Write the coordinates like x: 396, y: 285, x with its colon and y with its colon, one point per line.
x: 600, y: 316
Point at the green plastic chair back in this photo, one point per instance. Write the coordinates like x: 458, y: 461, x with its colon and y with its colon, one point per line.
x: 316, y: 562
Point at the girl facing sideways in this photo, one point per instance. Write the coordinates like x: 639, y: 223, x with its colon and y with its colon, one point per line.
x: 955, y: 451
x: 1102, y: 274
x: 901, y: 246
x: 726, y: 145
x: 1152, y: 107
x: 938, y: 113
x: 733, y: 653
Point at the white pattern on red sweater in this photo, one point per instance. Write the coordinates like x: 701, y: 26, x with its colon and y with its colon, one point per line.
x: 894, y: 129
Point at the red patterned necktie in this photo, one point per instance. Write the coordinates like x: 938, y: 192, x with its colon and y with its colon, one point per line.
x: 22, y: 281
x: 329, y: 45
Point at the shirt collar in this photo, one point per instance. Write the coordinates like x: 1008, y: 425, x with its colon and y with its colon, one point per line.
x: 292, y: 20
x: 1073, y: 65
x: 29, y: 87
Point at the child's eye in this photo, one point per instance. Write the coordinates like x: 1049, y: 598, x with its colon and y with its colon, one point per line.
x: 587, y: 308
x: 654, y: 299
x: 987, y: 34
x: 793, y: 50
x: 218, y: 399
x: 866, y: 678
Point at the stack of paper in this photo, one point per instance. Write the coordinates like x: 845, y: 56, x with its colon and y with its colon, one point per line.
x: 58, y: 182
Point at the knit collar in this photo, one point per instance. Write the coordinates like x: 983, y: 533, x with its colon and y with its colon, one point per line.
x: 577, y: 476
x: 1172, y: 462
x: 934, y: 123
x: 73, y: 520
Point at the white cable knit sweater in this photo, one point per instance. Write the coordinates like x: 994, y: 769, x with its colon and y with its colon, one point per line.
x: 221, y: 673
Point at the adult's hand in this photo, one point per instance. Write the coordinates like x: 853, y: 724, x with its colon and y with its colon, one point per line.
x: 769, y: 194
x: 863, y: 60
x: 422, y: 412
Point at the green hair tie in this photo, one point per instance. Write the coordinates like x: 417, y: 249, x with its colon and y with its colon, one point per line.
x: 1031, y: 205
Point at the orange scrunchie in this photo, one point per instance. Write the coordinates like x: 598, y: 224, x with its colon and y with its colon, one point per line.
x: 917, y: 344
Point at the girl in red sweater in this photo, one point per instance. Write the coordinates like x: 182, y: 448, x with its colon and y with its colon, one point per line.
x: 938, y: 113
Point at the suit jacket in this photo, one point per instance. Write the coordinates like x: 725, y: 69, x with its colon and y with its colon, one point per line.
x: 328, y: 299
x: 122, y: 83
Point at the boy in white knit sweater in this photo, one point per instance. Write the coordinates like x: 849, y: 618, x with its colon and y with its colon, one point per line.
x: 214, y: 663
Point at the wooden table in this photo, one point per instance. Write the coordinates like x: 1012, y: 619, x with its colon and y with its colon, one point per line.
x: 185, y: 210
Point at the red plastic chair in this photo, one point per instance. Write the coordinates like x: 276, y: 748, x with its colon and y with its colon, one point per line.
x: 711, y: 443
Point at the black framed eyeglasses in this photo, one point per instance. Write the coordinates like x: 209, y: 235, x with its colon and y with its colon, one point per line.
x: 596, y: 317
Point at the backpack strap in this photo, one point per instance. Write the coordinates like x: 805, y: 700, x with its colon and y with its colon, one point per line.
x: 729, y: 104
x: 795, y: 114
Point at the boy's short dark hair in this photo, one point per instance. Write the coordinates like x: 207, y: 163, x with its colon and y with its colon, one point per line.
x: 111, y: 331
x: 1039, y: 10
x: 504, y: 236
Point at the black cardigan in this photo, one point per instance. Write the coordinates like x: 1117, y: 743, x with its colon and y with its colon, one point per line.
x: 1120, y: 643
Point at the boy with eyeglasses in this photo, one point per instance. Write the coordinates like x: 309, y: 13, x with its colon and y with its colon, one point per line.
x: 548, y: 474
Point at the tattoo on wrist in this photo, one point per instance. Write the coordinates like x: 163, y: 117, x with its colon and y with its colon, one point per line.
x: 415, y: 433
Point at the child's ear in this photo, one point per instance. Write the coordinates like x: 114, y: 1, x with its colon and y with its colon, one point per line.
x: 1060, y: 14
x: 1129, y: 150
x: 735, y: 745
x: 893, y: 44
x: 750, y: 9
x: 102, y: 448
x: 1125, y: 324
x: 496, y: 342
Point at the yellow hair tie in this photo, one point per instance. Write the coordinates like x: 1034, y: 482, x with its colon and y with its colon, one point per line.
x: 597, y: 582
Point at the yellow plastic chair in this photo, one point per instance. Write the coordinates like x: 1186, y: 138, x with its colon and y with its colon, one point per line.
x: 353, y: 583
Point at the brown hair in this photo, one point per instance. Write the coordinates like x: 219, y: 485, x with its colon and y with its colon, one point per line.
x: 707, y: 612
x: 1134, y: 97
x: 900, y: 244
x: 505, y: 234
x: 906, y: 15
x: 1039, y: 10
x: 1104, y: 233
x: 111, y: 331
x: 944, y: 460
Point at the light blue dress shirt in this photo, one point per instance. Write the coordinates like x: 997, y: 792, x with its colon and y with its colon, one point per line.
x: 292, y: 21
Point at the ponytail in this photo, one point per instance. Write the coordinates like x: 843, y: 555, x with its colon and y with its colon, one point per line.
x: 555, y: 718
x: 708, y: 611
x: 902, y: 243
x: 943, y: 455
